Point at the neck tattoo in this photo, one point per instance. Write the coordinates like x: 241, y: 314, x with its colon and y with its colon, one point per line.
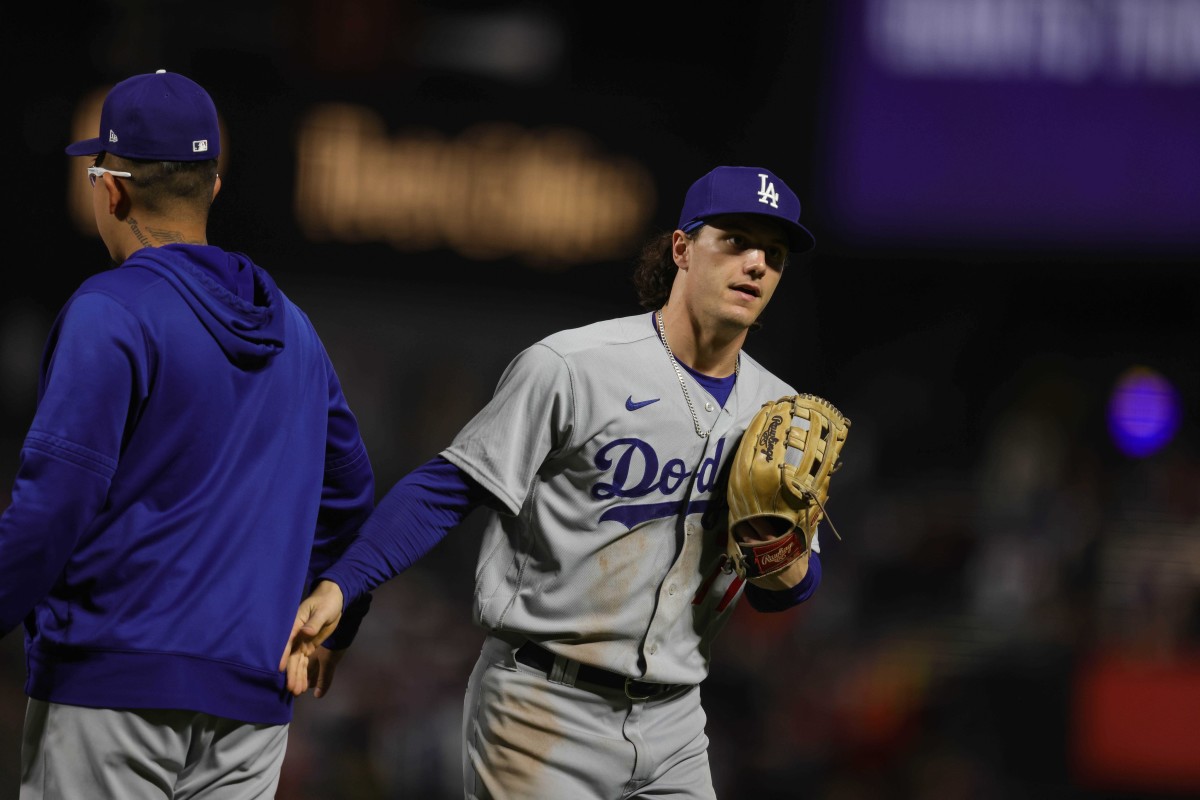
x: 737, y: 369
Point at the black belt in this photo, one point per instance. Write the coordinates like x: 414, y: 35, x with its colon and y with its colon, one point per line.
x: 533, y: 655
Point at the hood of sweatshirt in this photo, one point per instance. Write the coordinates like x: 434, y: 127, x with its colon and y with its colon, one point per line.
x: 249, y: 328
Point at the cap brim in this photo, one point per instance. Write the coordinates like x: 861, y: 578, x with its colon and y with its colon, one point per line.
x: 88, y: 147
x: 802, y: 239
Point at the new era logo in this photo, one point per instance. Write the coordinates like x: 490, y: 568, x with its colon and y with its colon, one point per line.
x: 112, y: 135
x: 200, y: 146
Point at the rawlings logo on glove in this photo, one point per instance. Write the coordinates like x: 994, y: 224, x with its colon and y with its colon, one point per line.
x: 778, y: 485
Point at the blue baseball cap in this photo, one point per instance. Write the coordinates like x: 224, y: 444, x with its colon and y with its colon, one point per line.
x: 745, y: 190
x: 160, y: 116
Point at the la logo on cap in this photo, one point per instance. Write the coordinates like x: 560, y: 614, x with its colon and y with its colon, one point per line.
x: 745, y: 190
x: 767, y: 194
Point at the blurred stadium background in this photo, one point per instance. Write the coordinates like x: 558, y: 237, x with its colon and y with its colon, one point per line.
x: 1004, y: 299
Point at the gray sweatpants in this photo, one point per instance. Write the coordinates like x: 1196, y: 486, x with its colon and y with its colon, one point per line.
x: 69, y: 752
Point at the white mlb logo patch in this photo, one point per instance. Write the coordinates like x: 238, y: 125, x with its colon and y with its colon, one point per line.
x: 200, y: 146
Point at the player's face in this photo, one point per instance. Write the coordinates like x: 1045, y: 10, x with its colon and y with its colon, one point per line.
x: 733, y: 267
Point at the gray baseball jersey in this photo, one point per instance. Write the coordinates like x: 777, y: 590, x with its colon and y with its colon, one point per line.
x: 612, y: 551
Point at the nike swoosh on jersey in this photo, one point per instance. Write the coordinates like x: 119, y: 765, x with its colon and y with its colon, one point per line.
x: 632, y: 406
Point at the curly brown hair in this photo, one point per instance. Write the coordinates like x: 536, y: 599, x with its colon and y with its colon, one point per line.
x: 655, y: 271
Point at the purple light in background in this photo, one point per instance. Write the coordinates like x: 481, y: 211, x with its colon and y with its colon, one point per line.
x: 1143, y: 412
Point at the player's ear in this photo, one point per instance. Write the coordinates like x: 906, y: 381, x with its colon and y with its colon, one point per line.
x: 117, y: 195
x: 681, y: 249
x: 216, y: 187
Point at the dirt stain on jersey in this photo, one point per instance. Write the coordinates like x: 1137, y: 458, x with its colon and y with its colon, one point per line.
x: 621, y: 563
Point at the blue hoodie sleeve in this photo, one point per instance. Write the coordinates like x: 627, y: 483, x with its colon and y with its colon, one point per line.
x: 93, y: 376
x: 347, y: 499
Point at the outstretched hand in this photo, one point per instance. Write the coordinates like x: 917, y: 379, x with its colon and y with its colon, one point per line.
x: 303, y: 659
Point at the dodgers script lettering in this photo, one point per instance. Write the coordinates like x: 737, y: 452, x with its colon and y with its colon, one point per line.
x: 635, y: 472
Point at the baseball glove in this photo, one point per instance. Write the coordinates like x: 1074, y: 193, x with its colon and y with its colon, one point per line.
x: 778, y: 485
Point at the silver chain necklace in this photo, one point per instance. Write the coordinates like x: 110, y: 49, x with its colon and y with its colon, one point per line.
x: 737, y: 369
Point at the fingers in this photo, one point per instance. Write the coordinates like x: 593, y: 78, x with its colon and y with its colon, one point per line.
x: 291, y: 645
x: 301, y: 641
x: 315, y: 668
x: 297, y: 674
x: 313, y: 671
x: 326, y: 661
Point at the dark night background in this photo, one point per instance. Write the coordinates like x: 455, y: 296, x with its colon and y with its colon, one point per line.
x: 1013, y: 590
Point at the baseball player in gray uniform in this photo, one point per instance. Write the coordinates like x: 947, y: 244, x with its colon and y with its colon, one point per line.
x: 602, y: 578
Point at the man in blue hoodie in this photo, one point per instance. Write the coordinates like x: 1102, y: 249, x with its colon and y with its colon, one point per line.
x: 191, y: 467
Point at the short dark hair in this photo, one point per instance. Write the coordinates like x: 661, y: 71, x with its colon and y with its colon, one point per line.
x: 161, y: 185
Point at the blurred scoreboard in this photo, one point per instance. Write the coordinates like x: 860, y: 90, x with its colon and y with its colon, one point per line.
x: 1047, y: 124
